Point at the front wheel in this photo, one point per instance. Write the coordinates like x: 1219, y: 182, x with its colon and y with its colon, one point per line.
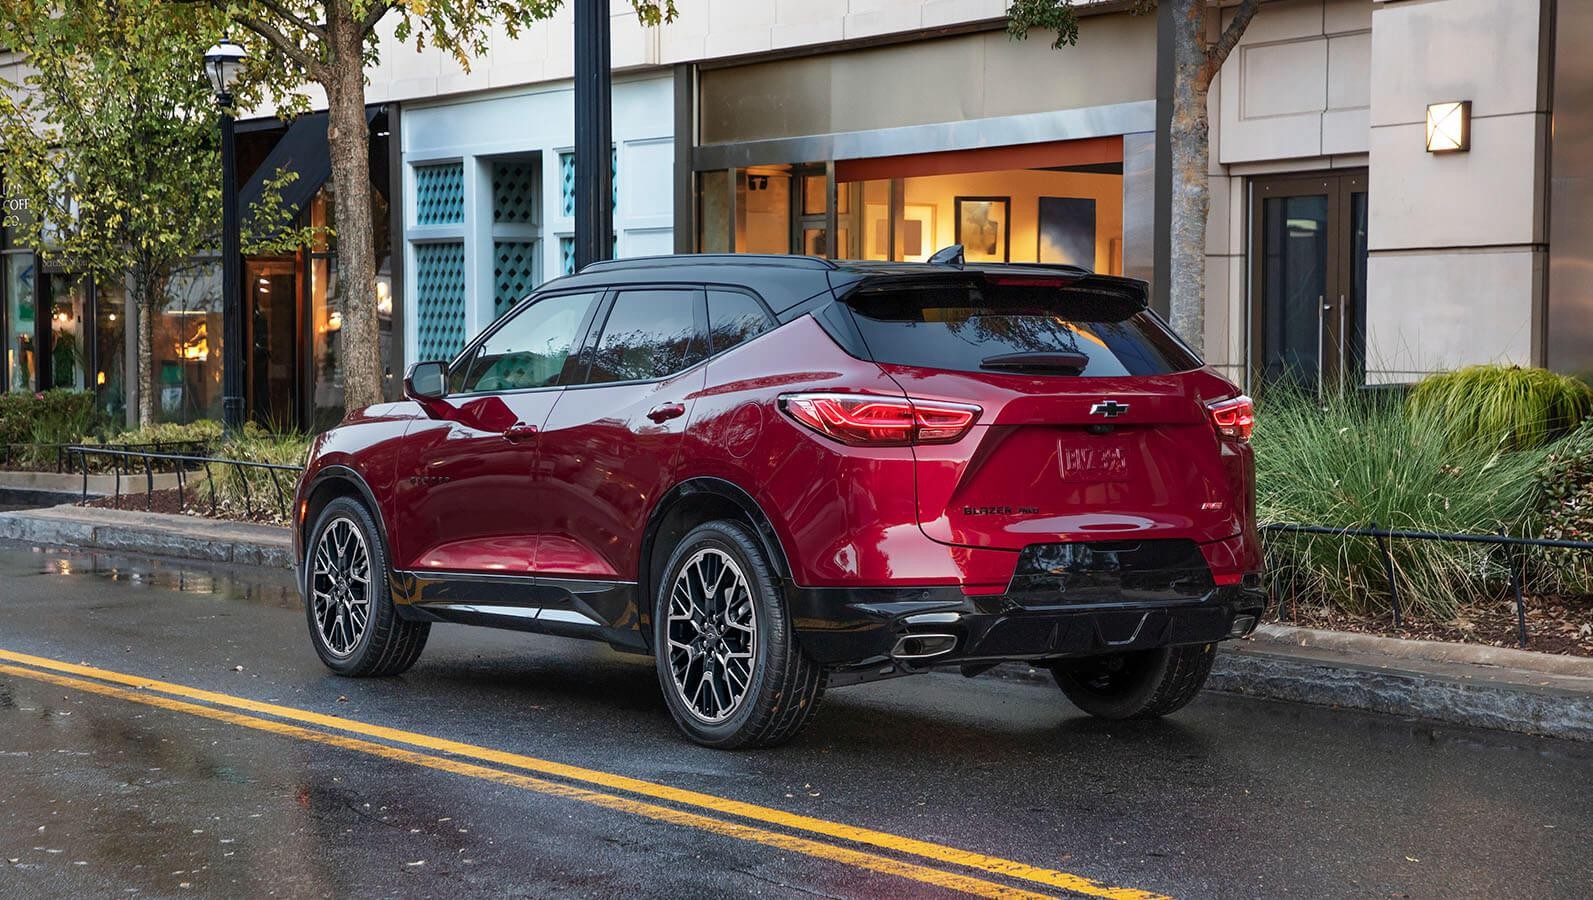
x: 728, y: 661
x: 354, y: 626
x: 1144, y: 684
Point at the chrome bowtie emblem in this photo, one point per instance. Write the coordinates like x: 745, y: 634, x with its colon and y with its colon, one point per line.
x: 1109, y: 408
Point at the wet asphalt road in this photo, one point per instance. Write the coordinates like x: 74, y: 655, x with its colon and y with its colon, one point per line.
x: 106, y: 796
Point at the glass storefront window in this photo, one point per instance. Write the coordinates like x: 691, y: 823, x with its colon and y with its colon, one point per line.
x: 185, y: 357
x: 67, y: 332
x: 713, y: 211
x: 110, y: 349
x: 20, y: 361
x: 763, y: 210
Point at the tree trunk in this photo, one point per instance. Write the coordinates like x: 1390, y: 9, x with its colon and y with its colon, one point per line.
x: 1191, y: 154
x: 348, y: 140
x: 143, y: 301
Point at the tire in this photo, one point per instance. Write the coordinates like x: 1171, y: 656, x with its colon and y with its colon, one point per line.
x: 698, y: 653
x: 381, y: 643
x: 1144, y: 684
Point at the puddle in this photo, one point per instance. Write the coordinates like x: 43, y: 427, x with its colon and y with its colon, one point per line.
x: 266, y: 587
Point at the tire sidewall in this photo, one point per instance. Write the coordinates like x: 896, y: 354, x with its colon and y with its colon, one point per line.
x: 381, y: 605
x: 773, y: 638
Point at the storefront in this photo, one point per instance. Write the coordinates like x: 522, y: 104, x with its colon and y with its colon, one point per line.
x: 1016, y: 151
x: 61, y: 330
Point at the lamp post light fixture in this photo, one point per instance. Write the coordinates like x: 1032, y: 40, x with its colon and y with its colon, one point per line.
x: 1449, y: 126
x: 222, y: 64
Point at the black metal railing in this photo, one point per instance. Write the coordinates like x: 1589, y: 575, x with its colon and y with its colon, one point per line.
x: 133, y: 462
x: 1514, y: 548
x: 60, y: 457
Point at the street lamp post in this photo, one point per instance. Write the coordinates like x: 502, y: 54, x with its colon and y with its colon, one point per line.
x: 222, y: 63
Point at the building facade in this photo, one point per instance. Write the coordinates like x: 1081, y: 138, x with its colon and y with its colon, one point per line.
x: 1344, y: 246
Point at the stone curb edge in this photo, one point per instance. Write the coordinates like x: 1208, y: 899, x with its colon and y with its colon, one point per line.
x: 184, y: 543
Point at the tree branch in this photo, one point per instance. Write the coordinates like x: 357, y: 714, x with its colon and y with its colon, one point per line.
x: 297, y: 20
x: 1217, y: 53
x: 374, y: 15
x: 276, y: 39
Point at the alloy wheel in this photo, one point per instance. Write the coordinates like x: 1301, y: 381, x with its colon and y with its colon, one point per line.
x: 340, y: 587
x: 713, y: 635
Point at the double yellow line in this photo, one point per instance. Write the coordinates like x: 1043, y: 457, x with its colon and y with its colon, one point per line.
x: 577, y: 783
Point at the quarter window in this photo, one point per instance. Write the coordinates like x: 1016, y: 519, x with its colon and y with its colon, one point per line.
x: 529, y: 349
x: 734, y: 317
x: 649, y: 334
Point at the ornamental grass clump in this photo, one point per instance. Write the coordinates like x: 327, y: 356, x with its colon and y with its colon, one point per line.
x: 1359, y: 460
x: 1504, y: 406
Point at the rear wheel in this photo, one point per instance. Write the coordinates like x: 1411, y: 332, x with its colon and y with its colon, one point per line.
x: 354, y: 626
x: 1144, y: 684
x: 728, y: 662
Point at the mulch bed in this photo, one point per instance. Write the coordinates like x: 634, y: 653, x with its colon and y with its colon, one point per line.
x: 1557, y: 625
x: 197, y: 504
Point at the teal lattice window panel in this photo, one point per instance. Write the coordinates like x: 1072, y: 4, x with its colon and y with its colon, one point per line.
x: 440, y: 194
x: 567, y: 182
x: 514, y: 192
x: 513, y: 273
x: 566, y: 256
x: 439, y: 300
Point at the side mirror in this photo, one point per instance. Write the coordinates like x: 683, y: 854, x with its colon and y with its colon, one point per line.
x: 427, y: 382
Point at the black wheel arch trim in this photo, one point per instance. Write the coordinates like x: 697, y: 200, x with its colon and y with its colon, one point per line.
x: 714, y: 486
x: 339, y: 472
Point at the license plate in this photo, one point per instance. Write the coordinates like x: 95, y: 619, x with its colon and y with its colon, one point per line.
x: 1102, y: 462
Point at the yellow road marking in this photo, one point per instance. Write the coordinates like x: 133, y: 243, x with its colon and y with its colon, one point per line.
x: 936, y: 877
x: 795, y: 821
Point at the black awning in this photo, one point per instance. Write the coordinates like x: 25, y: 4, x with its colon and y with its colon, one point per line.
x: 302, y: 149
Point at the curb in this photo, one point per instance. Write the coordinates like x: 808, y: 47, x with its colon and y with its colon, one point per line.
x: 1472, y: 695
x: 151, y: 534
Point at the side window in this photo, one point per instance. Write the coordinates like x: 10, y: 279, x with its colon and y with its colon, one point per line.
x: 734, y: 317
x: 528, y: 350
x: 649, y: 334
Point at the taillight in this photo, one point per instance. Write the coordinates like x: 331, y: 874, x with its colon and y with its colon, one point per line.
x: 1234, y: 418
x: 875, y: 421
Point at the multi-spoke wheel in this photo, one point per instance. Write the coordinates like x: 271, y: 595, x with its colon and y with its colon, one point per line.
x: 713, y: 635
x: 340, y: 587
x: 728, y: 661
x: 353, y: 623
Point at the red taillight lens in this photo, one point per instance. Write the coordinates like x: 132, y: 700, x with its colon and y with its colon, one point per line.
x: 1235, y: 418
x: 865, y: 419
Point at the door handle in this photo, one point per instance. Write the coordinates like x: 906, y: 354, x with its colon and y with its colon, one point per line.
x: 666, y: 411
x: 518, y: 432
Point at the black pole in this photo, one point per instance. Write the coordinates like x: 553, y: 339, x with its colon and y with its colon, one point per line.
x: 594, y: 203
x: 231, y: 301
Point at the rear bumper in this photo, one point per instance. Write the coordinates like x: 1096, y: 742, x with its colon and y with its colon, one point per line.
x: 847, y: 628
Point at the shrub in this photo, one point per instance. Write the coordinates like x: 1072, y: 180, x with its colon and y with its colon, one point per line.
x: 1360, y: 460
x: 57, y: 416
x: 204, y: 431
x: 261, y: 494
x: 1503, y: 406
x: 1565, y: 512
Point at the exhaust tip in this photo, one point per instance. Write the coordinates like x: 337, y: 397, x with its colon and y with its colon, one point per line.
x: 923, y: 646
x: 1242, y: 625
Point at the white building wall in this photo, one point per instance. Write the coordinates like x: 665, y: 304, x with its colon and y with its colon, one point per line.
x: 535, y: 122
x: 1457, y: 241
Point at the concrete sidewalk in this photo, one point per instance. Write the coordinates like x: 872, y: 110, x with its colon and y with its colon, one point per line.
x: 1461, y: 684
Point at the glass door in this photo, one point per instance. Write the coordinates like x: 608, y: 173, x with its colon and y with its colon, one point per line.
x: 1308, y: 281
x: 271, y: 340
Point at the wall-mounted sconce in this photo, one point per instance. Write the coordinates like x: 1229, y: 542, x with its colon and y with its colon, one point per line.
x: 1449, y: 126
x: 334, y: 321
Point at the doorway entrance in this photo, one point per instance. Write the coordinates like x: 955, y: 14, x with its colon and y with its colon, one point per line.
x: 1308, y: 280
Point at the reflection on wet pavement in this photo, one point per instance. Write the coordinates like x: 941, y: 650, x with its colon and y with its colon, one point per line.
x: 266, y: 587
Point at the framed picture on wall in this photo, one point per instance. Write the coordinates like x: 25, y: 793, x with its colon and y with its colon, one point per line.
x: 918, y: 231
x: 983, y: 226
x: 1066, y: 231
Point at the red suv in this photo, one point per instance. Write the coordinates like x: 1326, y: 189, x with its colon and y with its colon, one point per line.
x: 777, y: 474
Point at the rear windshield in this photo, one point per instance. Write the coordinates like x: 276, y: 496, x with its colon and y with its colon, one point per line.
x: 971, y: 327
